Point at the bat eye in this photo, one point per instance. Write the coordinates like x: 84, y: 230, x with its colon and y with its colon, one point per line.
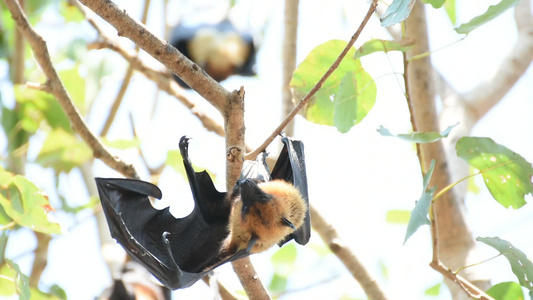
x: 288, y: 223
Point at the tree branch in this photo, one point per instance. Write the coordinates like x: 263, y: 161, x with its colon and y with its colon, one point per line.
x: 289, y: 59
x: 161, y: 78
x: 55, y: 87
x: 161, y: 50
x: 487, y: 94
x: 451, y: 235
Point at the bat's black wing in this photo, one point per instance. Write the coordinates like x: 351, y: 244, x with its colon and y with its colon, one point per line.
x: 290, y: 167
x: 181, y: 251
x: 177, y: 251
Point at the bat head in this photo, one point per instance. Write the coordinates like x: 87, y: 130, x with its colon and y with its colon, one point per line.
x: 266, y: 211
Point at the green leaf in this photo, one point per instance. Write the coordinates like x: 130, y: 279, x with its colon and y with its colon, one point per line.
x: 63, y: 151
x: 419, y: 215
x: 175, y: 160
x: 355, y: 92
x: 398, y: 216
x: 122, y: 144
x: 418, y: 137
x: 278, y: 283
x: 13, y: 281
x: 75, y: 86
x: 520, y: 264
x: 285, y: 255
x: 36, y: 106
x: 70, y: 12
x: 506, y: 174
x: 284, y: 260
x: 398, y: 11
x: 506, y: 291
x: 449, y: 6
x: 434, y: 290
x: 492, y: 12
x: 26, y: 204
x: 435, y: 3
x: 345, y: 104
x: 376, y: 45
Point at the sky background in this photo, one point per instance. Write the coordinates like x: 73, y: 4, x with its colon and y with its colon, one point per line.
x: 354, y: 178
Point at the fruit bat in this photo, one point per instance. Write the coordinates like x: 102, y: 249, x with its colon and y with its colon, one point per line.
x: 262, y: 209
x: 220, y: 49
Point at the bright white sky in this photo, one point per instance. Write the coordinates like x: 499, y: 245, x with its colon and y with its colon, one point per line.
x: 354, y: 178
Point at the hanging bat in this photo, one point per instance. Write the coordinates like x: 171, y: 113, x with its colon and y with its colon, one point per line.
x: 262, y: 209
x: 220, y: 49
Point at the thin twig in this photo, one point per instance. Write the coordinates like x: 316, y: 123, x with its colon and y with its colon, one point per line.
x: 55, y: 87
x: 125, y: 82
x: 317, y: 86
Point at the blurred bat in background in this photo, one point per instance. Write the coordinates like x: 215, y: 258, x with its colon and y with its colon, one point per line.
x: 220, y: 49
x: 262, y: 209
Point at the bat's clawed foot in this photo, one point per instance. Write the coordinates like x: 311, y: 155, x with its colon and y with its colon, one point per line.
x: 235, y: 153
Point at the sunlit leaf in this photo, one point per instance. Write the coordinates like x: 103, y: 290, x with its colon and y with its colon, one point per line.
x: 419, y: 215
x: 506, y: 291
x: 398, y: 216
x: 345, y: 103
x: 284, y: 260
x: 506, y: 174
x: 36, y: 106
x: 40, y: 295
x: 376, y: 45
x: 285, y: 255
x: 418, y: 137
x: 75, y: 86
x: 26, y: 204
x: 175, y: 161
x: 70, y: 12
x: 357, y: 91
x: 434, y: 290
x: 449, y: 6
x: 435, y: 3
x: 13, y: 281
x: 492, y: 12
x: 398, y: 11
x: 63, y: 151
x: 520, y: 264
x: 278, y: 283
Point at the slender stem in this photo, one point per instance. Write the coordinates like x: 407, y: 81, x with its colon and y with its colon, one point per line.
x: 252, y: 155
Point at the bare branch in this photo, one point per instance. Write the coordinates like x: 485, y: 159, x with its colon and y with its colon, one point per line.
x: 289, y: 59
x: 55, y: 87
x: 348, y: 258
x: 317, y: 86
x: 161, y: 50
x: 487, y: 94
x: 41, y: 258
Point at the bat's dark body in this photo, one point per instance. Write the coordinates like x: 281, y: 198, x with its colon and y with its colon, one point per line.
x: 223, y: 38
x: 181, y: 251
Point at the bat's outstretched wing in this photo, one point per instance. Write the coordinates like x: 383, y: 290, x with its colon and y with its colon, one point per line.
x: 181, y: 251
x: 290, y: 167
